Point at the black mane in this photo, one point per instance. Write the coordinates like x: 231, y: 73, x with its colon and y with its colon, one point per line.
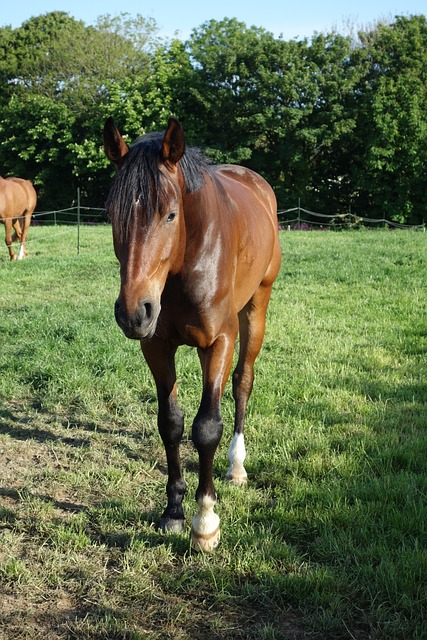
x: 139, y: 178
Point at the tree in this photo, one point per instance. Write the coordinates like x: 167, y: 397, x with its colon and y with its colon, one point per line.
x: 389, y: 173
x: 36, y: 132
x: 249, y: 93
x: 325, y: 133
x: 332, y: 121
x: 59, y: 57
x: 61, y: 78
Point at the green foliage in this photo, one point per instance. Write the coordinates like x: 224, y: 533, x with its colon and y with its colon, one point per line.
x: 38, y: 150
x: 334, y: 121
x: 45, y: 59
x: 63, y: 82
x: 392, y: 115
x: 252, y: 79
x: 328, y: 128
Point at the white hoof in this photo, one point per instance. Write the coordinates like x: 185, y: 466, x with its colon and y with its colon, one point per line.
x: 204, y: 542
x: 205, y: 532
x: 238, y: 480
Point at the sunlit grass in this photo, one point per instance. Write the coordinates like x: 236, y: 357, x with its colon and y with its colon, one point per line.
x: 329, y: 536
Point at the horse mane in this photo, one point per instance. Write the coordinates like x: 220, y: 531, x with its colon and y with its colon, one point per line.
x: 140, y: 179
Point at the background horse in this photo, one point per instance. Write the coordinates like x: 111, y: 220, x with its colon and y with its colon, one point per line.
x: 18, y: 200
x: 199, y: 251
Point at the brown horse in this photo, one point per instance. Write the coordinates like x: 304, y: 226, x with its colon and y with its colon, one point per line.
x: 18, y: 200
x: 199, y: 251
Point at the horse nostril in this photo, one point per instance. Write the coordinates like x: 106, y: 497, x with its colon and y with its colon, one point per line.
x: 144, y: 313
x: 140, y: 322
x: 116, y: 309
x: 148, y: 308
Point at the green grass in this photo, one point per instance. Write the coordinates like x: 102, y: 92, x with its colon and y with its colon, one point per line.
x: 328, y: 540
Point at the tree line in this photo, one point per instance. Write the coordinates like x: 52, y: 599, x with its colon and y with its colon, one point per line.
x: 334, y: 121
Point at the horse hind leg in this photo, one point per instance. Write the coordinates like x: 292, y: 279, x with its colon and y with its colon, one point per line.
x: 21, y: 235
x: 252, y: 329
x: 8, y: 238
x: 17, y: 232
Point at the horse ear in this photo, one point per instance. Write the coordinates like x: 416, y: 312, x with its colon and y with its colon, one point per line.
x: 173, y: 146
x: 114, y: 145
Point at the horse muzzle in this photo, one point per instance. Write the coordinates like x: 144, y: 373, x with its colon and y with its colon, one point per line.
x: 141, y: 323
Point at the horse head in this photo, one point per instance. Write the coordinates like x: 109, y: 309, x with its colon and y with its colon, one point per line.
x: 145, y: 207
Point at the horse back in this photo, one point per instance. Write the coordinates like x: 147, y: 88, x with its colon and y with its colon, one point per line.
x: 249, y: 183
x: 17, y: 196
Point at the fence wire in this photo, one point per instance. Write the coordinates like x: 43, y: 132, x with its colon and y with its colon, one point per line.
x: 306, y: 220
x: 302, y: 219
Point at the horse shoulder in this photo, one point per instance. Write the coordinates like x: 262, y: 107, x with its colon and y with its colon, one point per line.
x: 255, y: 228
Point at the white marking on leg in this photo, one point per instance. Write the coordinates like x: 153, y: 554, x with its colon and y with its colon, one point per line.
x: 236, y: 455
x: 205, y: 533
x: 21, y: 253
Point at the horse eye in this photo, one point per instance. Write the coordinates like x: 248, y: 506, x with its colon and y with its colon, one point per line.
x: 171, y: 216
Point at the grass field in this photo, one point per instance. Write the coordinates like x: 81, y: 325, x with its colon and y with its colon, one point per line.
x: 327, y: 541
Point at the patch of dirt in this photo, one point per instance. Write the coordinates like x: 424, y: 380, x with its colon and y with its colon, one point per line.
x: 44, y: 620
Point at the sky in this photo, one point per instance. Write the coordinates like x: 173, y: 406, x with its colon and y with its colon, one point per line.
x: 290, y: 18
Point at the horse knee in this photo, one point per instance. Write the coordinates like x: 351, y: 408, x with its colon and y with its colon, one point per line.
x: 171, y: 426
x: 206, y: 433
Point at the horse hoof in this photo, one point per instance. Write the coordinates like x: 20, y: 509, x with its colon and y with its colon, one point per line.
x: 169, y: 525
x: 205, y: 543
x: 237, y: 481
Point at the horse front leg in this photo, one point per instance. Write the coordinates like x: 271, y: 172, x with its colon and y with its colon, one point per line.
x: 207, y: 430
x: 160, y: 358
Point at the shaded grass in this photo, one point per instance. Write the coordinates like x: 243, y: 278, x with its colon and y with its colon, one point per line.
x: 329, y: 538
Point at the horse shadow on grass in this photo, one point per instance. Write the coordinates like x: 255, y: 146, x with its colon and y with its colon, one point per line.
x: 19, y: 427
x: 18, y: 423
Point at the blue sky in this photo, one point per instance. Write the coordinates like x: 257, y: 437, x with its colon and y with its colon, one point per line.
x: 291, y: 18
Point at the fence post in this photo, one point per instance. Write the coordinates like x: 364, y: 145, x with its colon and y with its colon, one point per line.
x: 78, y: 220
x: 299, y: 213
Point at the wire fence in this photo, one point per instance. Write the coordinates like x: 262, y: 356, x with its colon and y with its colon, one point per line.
x: 299, y: 218
x: 71, y: 216
x: 296, y: 218
x: 69, y: 220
